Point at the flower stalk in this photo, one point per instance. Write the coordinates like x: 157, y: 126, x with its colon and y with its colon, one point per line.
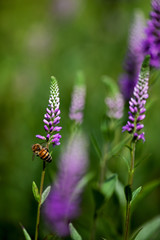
x: 51, y: 119
x: 39, y: 204
x: 130, y: 183
x: 134, y: 126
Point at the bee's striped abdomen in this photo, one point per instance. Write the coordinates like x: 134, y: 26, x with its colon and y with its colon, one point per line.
x: 44, y: 155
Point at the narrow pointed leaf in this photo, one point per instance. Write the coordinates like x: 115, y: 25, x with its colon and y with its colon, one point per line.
x: 96, y: 146
x: 149, y: 229
x: 109, y: 186
x: 74, y: 234
x: 134, y: 235
x: 45, y: 194
x: 82, y: 183
x: 35, y: 191
x: 147, y: 189
x: 99, y: 198
x: 135, y: 193
x: 118, y: 147
x: 27, y: 237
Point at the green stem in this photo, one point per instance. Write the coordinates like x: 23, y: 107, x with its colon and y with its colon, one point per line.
x: 130, y: 182
x: 103, y: 170
x: 93, y: 230
x: 39, y: 204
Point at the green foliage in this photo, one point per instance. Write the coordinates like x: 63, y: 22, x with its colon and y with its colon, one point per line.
x: 148, y: 229
x: 45, y: 194
x: 110, y: 85
x: 118, y: 147
x: 74, y: 234
x: 146, y: 190
x: 91, y: 39
x: 99, y: 198
x: 135, y: 193
x: 35, y: 191
x: 96, y: 146
x: 27, y: 237
x: 83, y: 182
x: 109, y: 185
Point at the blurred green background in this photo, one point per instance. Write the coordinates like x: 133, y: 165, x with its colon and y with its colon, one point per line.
x: 58, y: 37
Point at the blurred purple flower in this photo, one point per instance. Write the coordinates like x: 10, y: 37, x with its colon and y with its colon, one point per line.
x: 78, y: 99
x: 52, y: 118
x: 151, y: 44
x: 115, y: 106
x: 137, y: 104
x: 134, y: 57
x: 63, y: 203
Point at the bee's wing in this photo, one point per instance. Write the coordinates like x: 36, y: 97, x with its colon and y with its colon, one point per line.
x: 33, y: 156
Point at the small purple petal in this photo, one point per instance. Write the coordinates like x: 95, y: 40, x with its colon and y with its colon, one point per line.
x: 56, y: 120
x: 56, y: 110
x: 131, y: 118
x: 131, y: 109
x: 142, y: 111
x: 48, y: 111
x: 47, y: 116
x: 46, y: 128
x: 41, y: 137
x: 141, y: 136
x: 57, y: 129
x: 139, y: 126
x: 50, y: 123
x: 45, y: 121
x: 48, y: 136
x: 51, y: 129
x: 140, y: 117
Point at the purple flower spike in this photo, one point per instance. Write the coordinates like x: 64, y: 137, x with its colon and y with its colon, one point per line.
x: 151, y: 44
x: 63, y: 202
x: 134, y: 57
x: 51, y: 118
x: 78, y: 99
x: 134, y: 124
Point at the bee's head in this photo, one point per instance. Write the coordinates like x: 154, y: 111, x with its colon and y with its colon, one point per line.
x: 36, y: 147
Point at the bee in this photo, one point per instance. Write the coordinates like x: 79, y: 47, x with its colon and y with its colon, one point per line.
x: 42, y: 152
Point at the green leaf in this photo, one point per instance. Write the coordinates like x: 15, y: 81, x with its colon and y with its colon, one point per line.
x: 74, y: 234
x: 110, y: 85
x: 109, y: 186
x: 45, y: 194
x: 128, y: 193
x: 99, y: 199
x: 135, y: 193
x: 146, y: 190
x: 27, y: 237
x: 148, y: 229
x: 134, y: 235
x: 118, y: 147
x: 82, y: 183
x: 35, y: 191
x: 97, y: 148
x: 119, y: 190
